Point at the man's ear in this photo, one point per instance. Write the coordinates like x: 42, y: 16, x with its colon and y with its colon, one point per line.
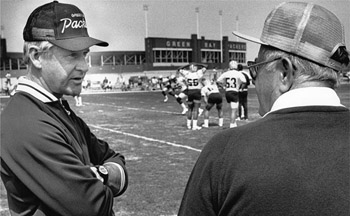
x: 35, y: 57
x: 286, y: 74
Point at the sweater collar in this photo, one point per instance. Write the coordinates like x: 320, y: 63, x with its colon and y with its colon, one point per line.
x: 310, y: 96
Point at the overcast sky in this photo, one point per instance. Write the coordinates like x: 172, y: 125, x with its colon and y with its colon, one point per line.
x: 122, y: 22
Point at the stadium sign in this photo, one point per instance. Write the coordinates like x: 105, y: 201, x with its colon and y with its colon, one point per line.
x: 210, y: 44
x: 237, y: 46
x: 178, y: 43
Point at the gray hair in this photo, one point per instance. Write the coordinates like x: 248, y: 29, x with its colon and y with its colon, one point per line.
x: 305, y: 70
x: 41, y: 46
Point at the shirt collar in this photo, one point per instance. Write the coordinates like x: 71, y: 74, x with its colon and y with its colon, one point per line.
x: 310, y: 96
x: 32, y: 88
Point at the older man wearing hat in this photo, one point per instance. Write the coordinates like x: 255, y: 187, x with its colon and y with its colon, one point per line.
x: 294, y: 160
x: 51, y: 163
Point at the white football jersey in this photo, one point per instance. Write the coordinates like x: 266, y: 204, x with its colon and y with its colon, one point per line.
x: 232, y: 79
x: 209, y: 89
x: 193, y: 78
x: 181, y: 83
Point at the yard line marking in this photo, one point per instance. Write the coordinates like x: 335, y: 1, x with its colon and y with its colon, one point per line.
x: 146, y: 138
x: 132, y: 108
x: 117, y: 92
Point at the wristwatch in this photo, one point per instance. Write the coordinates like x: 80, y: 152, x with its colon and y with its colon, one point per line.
x: 103, y: 172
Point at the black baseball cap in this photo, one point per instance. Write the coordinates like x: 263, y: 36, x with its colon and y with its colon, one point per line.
x: 63, y: 25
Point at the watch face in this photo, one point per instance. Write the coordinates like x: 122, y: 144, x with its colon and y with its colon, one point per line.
x: 103, y: 170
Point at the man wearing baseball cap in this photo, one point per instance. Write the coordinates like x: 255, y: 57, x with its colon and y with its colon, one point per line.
x: 294, y: 160
x: 51, y: 163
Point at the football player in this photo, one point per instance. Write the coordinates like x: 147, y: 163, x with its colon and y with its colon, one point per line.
x: 212, y: 96
x: 193, y: 77
x: 232, y: 81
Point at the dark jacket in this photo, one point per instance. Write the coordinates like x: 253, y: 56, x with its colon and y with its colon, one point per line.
x: 46, y: 155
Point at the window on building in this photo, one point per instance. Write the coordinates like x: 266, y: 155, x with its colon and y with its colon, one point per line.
x: 211, y: 56
x: 171, y: 56
x: 240, y: 57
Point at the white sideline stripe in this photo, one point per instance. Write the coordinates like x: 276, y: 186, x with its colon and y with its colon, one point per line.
x: 118, y: 92
x: 146, y: 138
x: 132, y: 108
x: 103, y: 92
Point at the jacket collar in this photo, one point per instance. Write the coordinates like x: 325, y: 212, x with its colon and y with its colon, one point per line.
x: 32, y: 88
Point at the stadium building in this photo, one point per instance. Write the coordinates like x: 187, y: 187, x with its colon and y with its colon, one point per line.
x: 162, y: 56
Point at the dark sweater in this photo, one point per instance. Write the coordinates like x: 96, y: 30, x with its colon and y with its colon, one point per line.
x: 293, y: 161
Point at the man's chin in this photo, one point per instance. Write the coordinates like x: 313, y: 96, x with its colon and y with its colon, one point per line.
x: 73, y: 92
x: 262, y: 112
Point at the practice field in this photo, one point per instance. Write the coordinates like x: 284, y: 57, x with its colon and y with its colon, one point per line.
x: 160, y: 151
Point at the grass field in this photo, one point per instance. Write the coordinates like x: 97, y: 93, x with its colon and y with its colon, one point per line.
x: 160, y: 151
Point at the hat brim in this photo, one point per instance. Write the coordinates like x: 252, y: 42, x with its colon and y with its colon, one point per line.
x: 78, y: 43
x: 249, y: 38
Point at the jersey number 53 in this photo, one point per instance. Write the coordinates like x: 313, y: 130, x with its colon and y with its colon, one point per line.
x: 231, y: 82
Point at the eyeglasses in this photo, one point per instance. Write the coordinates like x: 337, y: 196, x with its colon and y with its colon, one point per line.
x: 254, y: 67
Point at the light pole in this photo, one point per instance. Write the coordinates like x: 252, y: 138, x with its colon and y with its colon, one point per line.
x: 2, y: 32
x: 221, y: 54
x: 197, y: 14
x: 145, y: 9
x: 237, y: 21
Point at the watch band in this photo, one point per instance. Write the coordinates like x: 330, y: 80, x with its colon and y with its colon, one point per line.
x: 103, y: 172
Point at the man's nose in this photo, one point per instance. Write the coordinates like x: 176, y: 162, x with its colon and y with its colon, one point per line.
x: 83, y: 65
